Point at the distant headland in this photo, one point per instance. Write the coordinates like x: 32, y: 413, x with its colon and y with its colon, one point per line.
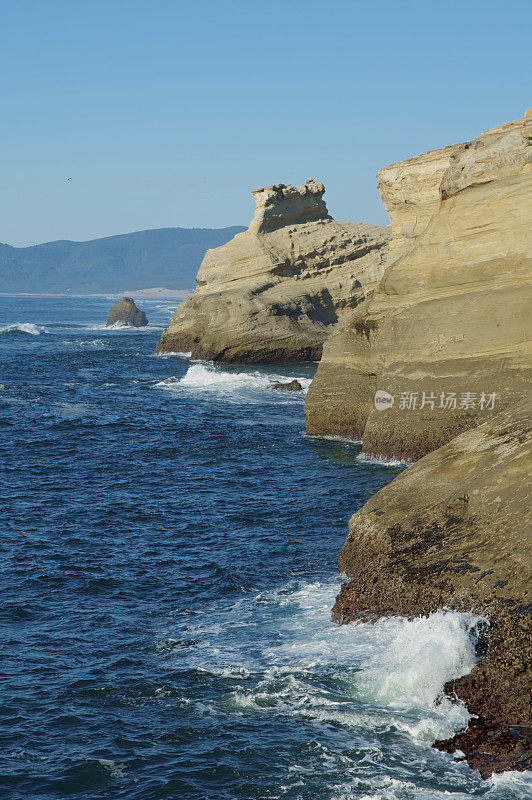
x: 167, y: 257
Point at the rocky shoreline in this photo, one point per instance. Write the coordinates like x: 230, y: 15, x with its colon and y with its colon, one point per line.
x: 452, y: 531
x: 424, y: 357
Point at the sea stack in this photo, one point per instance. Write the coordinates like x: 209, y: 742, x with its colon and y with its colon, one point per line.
x: 125, y: 312
x: 276, y: 291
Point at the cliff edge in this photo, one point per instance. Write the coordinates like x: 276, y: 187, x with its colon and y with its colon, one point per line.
x: 453, y: 530
x: 275, y: 291
x: 443, y: 338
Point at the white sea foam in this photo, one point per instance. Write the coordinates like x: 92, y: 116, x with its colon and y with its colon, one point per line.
x: 380, y: 461
x: 115, y: 768
x: 388, y: 675
x: 173, y: 353
x: 331, y: 438
x: 85, y: 344
x: 71, y: 411
x: 208, y: 378
x: 121, y: 328
x: 514, y: 784
x: 505, y: 786
x: 24, y: 327
x: 412, y: 659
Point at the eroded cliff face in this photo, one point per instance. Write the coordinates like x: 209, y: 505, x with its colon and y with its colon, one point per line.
x: 274, y: 292
x: 453, y: 530
x: 410, y: 194
x: 444, y: 334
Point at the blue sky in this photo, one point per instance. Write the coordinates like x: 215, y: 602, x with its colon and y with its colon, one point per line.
x: 167, y: 113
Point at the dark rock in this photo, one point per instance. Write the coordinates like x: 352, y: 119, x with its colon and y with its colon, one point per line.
x: 125, y: 312
x: 491, y: 747
x: 292, y: 386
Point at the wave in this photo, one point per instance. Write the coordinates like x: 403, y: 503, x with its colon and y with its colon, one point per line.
x: 329, y: 437
x: 24, y: 327
x: 85, y: 344
x: 174, y: 353
x: 119, y: 326
x: 281, y: 654
x: 205, y: 378
x: 380, y: 461
x: 75, y: 411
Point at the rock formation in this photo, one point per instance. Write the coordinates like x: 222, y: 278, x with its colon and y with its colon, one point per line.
x: 454, y: 530
x: 444, y: 333
x: 125, y: 312
x: 275, y: 291
x: 290, y: 386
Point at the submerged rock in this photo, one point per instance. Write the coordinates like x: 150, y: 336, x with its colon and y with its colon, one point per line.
x: 453, y: 530
x: 274, y: 292
x: 444, y: 333
x: 125, y: 312
x: 291, y: 386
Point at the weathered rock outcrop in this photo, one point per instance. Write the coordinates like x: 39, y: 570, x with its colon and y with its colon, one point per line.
x: 274, y: 292
x: 125, y: 312
x: 444, y: 332
x: 454, y: 530
x: 290, y: 386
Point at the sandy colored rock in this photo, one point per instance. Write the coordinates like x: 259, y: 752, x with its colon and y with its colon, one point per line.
x: 451, y: 312
x: 125, y: 312
x: 274, y: 292
x: 454, y: 530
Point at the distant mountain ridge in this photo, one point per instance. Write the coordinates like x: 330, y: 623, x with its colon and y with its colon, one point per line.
x: 168, y: 257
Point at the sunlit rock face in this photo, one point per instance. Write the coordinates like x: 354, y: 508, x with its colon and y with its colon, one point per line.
x: 444, y: 334
x: 275, y: 292
x: 453, y: 531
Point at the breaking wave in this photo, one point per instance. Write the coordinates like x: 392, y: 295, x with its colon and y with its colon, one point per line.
x: 381, y: 461
x: 24, y: 327
x: 283, y: 655
x: 174, y: 353
x: 205, y: 378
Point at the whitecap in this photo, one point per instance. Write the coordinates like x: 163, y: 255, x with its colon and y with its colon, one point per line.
x: 381, y: 461
x: 177, y: 353
x: 243, y: 386
x: 514, y: 784
x: 85, y: 344
x: 412, y: 659
x: 122, y: 328
x: 284, y: 655
x: 115, y: 768
x: 24, y: 327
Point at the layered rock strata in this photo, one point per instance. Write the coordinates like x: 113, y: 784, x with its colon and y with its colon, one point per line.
x: 453, y: 530
x: 274, y: 292
x: 444, y: 334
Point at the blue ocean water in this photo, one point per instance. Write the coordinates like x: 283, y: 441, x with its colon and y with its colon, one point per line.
x: 169, y: 544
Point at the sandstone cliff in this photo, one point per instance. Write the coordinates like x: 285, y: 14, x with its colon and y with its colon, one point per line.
x: 274, y: 292
x: 444, y: 333
x: 454, y: 530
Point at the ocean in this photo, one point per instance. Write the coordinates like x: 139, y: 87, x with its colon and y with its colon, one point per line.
x: 169, y: 545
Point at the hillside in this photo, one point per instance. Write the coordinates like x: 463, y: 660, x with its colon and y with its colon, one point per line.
x: 167, y: 257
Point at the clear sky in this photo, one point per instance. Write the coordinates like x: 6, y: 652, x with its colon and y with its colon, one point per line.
x: 167, y: 113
